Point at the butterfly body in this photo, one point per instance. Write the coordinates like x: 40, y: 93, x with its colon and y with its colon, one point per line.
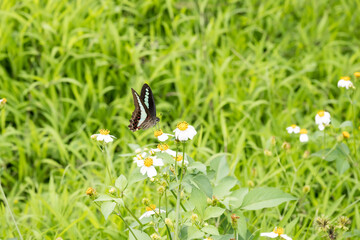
x: 144, y: 115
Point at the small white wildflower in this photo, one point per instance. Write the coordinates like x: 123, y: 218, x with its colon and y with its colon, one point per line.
x: 345, y: 82
x: 277, y: 232
x: 293, y: 129
x: 184, y: 131
x: 303, y: 135
x: 3, y: 101
x: 163, y: 147
x: 104, y: 136
x: 322, y: 119
x: 150, y: 211
x: 161, y: 136
x: 147, y: 165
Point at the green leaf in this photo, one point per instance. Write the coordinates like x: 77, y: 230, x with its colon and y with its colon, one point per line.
x: 213, y: 212
x: 197, y: 166
x: 103, y: 197
x: 223, y: 188
x: 167, y: 158
x: 237, y: 197
x: 346, y: 124
x: 194, y: 233
x: 199, y: 200
x: 220, y: 166
x: 139, y: 235
x: 202, y: 183
x: 107, y: 208
x: 136, y: 177
x: 265, y: 197
x: 133, y: 146
x: 342, y: 165
x: 121, y: 183
x: 211, y: 230
x: 340, y: 152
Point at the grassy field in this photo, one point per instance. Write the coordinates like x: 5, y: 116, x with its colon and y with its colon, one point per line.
x: 239, y: 71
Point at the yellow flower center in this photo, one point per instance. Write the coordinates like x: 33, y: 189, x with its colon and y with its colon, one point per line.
x: 158, y: 133
x: 139, y: 157
x: 321, y: 113
x: 346, y: 134
x: 4, y: 100
x: 303, y: 131
x: 104, y: 131
x: 357, y: 74
x: 178, y: 158
x: 163, y: 147
x: 182, y: 126
x: 293, y: 125
x: 345, y: 78
x: 90, y: 191
x: 151, y: 207
x: 278, y: 231
x: 148, y: 162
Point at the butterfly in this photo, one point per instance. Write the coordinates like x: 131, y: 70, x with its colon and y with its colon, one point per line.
x: 144, y: 115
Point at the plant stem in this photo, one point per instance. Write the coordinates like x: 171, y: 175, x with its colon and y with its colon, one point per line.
x: 178, y: 197
x: 133, y: 215
x: 107, y: 163
x: 127, y: 225
x: 354, y: 128
x: 11, y: 213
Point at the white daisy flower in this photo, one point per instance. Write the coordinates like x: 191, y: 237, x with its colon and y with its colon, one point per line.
x: 303, y: 135
x: 293, y: 129
x: 150, y: 211
x: 322, y: 119
x: 184, y: 131
x: 3, y: 101
x: 345, y: 82
x: 163, y: 147
x: 277, y: 232
x: 162, y: 137
x: 147, y: 165
x: 104, y: 136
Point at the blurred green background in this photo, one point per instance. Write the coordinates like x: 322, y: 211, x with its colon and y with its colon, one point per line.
x: 239, y: 71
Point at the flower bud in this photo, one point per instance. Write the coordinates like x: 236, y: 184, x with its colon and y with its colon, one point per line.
x: 286, y: 146
x: 306, y: 154
x: 343, y: 222
x: 267, y: 153
x: 146, y: 201
x: 306, y: 189
x: 234, y: 220
x: 112, y: 190
x: 273, y: 140
x: 345, y: 134
x: 91, y: 192
x: 161, y: 190
x: 194, y: 217
x: 169, y: 222
x: 154, y: 236
x: 251, y: 184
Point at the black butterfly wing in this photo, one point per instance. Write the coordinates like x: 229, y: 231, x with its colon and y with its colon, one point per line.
x: 148, y: 98
x: 140, y: 115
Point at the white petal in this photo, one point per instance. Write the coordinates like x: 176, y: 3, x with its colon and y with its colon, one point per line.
x: 304, y: 138
x: 108, y: 138
x: 289, y: 130
x: 151, y: 171
x: 286, y: 237
x: 269, y: 234
x: 157, y: 162
x: 297, y: 129
x: 147, y: 214
x: 100, y: 137
x: 143, y: 170
x: 318, y: 119
x: 139, y: 163
x: 163, y: 137
x: 321, y: 127
x: 171, y: 152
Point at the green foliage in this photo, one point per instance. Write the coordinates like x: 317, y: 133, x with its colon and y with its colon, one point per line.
x: 239, y: 71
